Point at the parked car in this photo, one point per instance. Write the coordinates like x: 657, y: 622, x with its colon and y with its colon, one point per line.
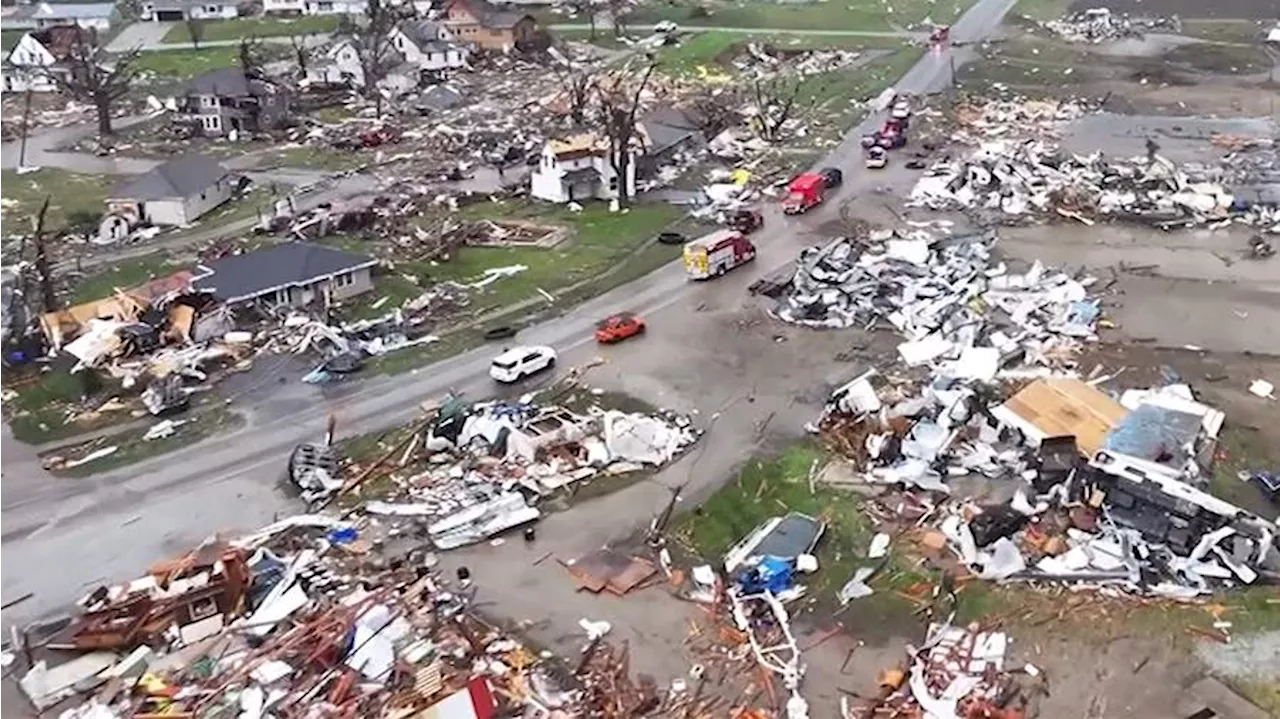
x: 616, y: 328
x: 520, y: 362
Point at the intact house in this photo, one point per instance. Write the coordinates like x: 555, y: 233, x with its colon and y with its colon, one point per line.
x: 430, y: 46
x: 225, y: 100
x: 296, y: 8
x: 37, y: 16
x: 578, y: 168
x: 177, y: 192
x: 341, y: 66
x: 482, y: 24
x: 294, y: 274
x: 39, y: 56
x: 179, y: 10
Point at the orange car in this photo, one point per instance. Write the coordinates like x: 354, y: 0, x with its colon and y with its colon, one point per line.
x: 618, y: 327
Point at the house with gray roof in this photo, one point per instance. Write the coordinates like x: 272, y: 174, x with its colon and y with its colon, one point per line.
x: 90, y: 16
x: 430, y: 46
x: 177, y: 192
x: 226, y: 100
x: 180, y: 10
x: 294, y: 274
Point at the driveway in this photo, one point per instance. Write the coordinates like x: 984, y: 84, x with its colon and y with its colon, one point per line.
x: 141, y: 34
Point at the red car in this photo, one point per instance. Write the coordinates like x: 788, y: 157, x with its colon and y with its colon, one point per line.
x: 618, y: 327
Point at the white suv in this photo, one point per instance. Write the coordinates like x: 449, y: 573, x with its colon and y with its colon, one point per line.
x: 518, y: 362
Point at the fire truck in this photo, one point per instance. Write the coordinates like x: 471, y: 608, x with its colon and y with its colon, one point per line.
x: 715, y: 254
x: 809, y: 189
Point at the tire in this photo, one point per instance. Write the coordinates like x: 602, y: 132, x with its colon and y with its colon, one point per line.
x: 551, y: 364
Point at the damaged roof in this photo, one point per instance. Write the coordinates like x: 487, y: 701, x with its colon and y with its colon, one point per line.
x: 228, y: 82
x: 666, y: 127
x: 293, y: 264
x: 489, y: 16
x: 178, y: 178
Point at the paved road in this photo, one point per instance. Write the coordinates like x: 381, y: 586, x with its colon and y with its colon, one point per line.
x: 83, y: 525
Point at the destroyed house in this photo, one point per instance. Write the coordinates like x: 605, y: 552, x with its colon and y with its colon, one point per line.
x: 294, y: 274
x: 481, y: 23
x: 40, y: 56
x: 228, y: 99
x: 177, y: 192
x: 664, y: 133
x: 341, y: 65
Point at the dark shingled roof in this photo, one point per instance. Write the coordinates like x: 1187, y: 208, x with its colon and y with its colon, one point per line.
x: 228, y: 82
x: 294, y: 264
x: 180, y: 177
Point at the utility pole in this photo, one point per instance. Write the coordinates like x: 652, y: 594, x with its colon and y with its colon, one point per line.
x: 26, y: 120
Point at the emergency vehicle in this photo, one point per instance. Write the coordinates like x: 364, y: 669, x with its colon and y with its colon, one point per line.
x: 715, y: 254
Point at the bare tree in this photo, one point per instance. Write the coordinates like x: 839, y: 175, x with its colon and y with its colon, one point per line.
x: 301, y: 53
x: 777, y: 99
x: 376, y: 48
x: 579, y: 83
x: 588, y: 8
x: 195, y: 30
x: 95, y: 78
x: 43, y: 267
x: 250, y: 57
x: 619, y: 11
x: 619, y: 96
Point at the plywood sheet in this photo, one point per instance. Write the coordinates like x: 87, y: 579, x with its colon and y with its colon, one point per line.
x: 1063, y: 406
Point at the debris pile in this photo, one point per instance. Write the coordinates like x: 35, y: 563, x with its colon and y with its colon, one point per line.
x: 1022, y: 179
x: 1105, y: 492
x: 942, y: 295
x: 957, y: 672
x: 1097, y: 25
x: 485, y: 465
x: 344, y: 618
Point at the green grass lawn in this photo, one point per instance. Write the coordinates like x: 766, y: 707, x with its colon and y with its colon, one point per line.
x: 1042, y: 9
x: 76, y: 199
x: 221, y: 30
x: 134, y: 448
x: 9, y: 39
x: 865, y: 15
x: 705, y: 48
x: 186, y: 64
x: 121, y: 275
x: 40, y: 408
x: 600, y: 241
x: 319, y: 158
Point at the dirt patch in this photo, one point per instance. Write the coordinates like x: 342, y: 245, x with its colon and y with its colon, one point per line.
x: 1221, y: 59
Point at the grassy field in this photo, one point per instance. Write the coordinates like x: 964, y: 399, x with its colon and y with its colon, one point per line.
x: 864, y: 15
x: 76, y: 199
x: 133, y: 448
x: 9, y: 39
x: 41, y: 408
x: 122, y: 275
x: 701, y: 51
x: 319, y: 158
x: 222, y: 30
x: 607, y: 250
x: 186, y: 64
x: 600, y: 241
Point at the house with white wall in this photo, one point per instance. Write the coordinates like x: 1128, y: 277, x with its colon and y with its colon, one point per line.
x: 297, y: 8
x: 430, y: 46
x: 39, y: 56
x: 177, y: 192
x: 91, y: 16
x: 180, y: 10
x: 578, y: 168
x: 341, y: 66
